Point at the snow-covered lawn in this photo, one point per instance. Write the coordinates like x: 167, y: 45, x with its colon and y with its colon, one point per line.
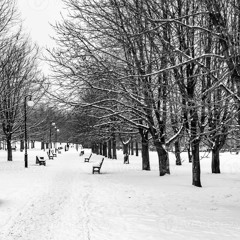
x: 65, y: 201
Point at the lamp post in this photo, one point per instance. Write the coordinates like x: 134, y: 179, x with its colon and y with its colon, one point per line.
x: 50, y: 141
x: 30, y: 103
x: 57, y: 130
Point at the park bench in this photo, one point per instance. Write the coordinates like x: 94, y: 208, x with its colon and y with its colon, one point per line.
x: 50, y: 155
x: 14, y: 148
x: 97, y: 166
x: 86, y: 159
x: 40, y: 160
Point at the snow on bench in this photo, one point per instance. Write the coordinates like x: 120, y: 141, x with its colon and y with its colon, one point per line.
x: 86, y: 159
x: 97, y: 166
x: 40, y: 160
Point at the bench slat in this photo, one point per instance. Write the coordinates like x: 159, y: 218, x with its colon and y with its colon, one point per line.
x: 40, y: 160
x: 97, y: 167
x: 87, y: 158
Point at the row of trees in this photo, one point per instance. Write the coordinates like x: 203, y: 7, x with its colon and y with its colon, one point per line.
x: 19, y: 74
x: 165, y: 70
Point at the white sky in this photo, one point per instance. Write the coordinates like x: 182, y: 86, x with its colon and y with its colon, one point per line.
x: 36, y: 15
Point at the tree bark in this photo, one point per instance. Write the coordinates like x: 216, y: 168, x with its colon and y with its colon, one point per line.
x: 196, y: 172
x: 110, y: 148
x: 145, y: 150
x: 163, y: 158
x: 97, y: 148
x: 136, y: 146
x: 105, y: 149
x: 215, y: 160
x: 145, y: 155
x: 177, y: 153
x: 114, y: 146
x: 131, y: 147
x: 125, y: 148
x: 126, y: 151
x: 21, y: 145
x: 189, y: 153
x: 101, y: 148
x: 42, y: 146
x: 9, y: 150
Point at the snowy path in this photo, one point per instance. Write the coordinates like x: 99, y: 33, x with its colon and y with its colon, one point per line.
x: 64, y: 200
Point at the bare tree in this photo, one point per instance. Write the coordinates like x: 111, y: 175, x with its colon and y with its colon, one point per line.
x: 18, y: 72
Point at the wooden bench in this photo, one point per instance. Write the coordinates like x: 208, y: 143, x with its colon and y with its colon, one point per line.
x: 50, y: 156
x: 86, y: 159
x: 14, y: 148
x: 40, y: 160
x: 97, y: 166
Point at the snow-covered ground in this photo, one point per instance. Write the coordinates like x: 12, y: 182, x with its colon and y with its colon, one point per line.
x: 64, y: 200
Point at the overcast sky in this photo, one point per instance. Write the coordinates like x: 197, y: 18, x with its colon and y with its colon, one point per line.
x: 36, y: 15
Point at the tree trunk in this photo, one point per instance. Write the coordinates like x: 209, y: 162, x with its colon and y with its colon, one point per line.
x: 21, y: 145
x: 42, y: 146
x: 105, y: 149
x: 131, y: 147
x: 97, y: 149
x: 215, y: 160
x: 145, y: 156
x: 189, y: 153
x: 101, y: 148
x: 125, y: 148
x: 162, y: 158
x: 196, y: 172
x: 9, y: 149
x: 177, y: 153
x: 136, y: 146
x: 145, y: 150
x: 114, y: 146
x: 126, y: 152
x: 110, y: 148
